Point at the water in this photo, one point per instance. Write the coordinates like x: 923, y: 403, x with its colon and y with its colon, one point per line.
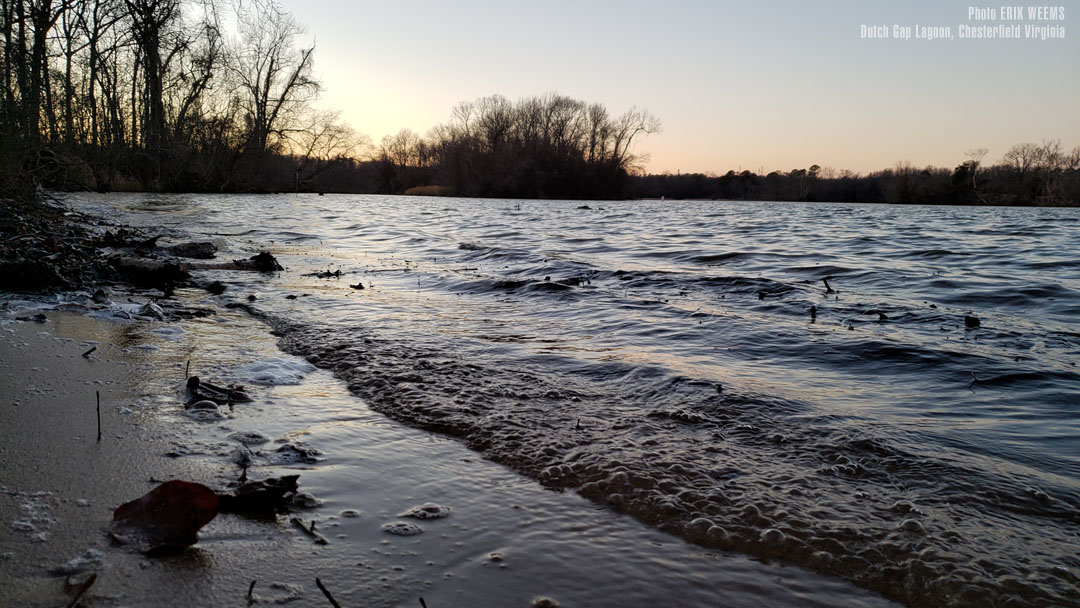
x: 662, y: 360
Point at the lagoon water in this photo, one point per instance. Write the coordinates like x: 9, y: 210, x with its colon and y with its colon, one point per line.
x: 792, y: 382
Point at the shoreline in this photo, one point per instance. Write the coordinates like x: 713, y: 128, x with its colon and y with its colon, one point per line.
x: 508, y: 540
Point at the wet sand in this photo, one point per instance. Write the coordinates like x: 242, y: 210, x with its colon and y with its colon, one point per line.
x: 507, y: 541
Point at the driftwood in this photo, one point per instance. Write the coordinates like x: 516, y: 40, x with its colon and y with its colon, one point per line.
x: 149, y: 272
x: 203, y: 250
x: 310, y: 531
x: 198, y: 390
x: 264, y: 262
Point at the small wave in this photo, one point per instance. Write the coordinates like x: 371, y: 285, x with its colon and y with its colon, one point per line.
x: 719, y: 466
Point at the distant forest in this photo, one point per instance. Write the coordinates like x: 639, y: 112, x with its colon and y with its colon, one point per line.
x: 217, y: 96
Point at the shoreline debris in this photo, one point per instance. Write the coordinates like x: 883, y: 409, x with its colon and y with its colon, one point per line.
x: 165, y: 519
x: 259, y: 497
x: 309, y: 530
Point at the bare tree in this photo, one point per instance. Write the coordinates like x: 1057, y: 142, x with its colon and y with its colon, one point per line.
x: 1021, y: 158
x: 274, y: 75
x: 975, y: 156
x: 151, y: 20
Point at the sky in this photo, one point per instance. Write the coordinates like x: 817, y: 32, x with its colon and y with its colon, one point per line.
x: 764, y: 85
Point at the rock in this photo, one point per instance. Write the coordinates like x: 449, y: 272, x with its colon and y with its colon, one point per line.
x: 263, y: 262
x: 264, y: 496
x: 971, y: 322
x: 217, y: 288
x: 38, y: 318
x: 152, y: 311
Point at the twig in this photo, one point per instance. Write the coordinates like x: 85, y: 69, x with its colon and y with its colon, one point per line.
x: 423, y: 604
x: 98, y: 394
x: 187, y: 368
x: 325, y: 592
x: 828, y: 289
x: 87, y: 353
x: 318, y: 538
x: 80, y: 589
x: 251, y: 588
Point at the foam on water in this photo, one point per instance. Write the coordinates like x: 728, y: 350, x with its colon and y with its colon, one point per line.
x: 274, y: 371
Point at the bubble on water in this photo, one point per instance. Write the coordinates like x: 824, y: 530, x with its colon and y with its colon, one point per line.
x: 89, y: 560
x: 205, y: 404
x: 428, y: 510
x: 306, y: 500
x: 274, y: 371
x: 402, y: 528
x: 773, y: 537
x: 205, y: 415
x: 913, y: 526
x: 249, y: 437
x: 293, y: 453
x: 903, y: 506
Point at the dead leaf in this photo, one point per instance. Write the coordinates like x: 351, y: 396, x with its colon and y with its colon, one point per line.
x: 166, y: 518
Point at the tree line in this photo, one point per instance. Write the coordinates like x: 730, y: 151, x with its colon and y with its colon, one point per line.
x: 217, y: 95
x: 549, y: 146
x: 158, y: 95
x: 1027, y: 174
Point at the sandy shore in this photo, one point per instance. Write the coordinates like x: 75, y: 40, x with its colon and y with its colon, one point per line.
x: 59, y: 484
x: 507, y: 542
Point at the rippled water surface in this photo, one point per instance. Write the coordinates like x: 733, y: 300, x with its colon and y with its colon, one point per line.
x: 792, y: 381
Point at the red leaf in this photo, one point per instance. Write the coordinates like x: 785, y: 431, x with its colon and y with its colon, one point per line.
x: 168, y: 517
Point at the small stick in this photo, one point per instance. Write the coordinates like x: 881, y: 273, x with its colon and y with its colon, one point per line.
x: 98, y: 393
x: 187, y: 368
x: 333, y: 602
x: 87, y: 353
x: 82, y: 589
x: 828, y: 289
x: 318, y: 538
x: 423, y: 604
x: 251, y: 588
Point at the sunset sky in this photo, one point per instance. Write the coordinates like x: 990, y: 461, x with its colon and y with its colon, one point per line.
x: 762, y: 85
